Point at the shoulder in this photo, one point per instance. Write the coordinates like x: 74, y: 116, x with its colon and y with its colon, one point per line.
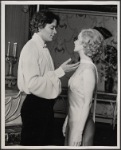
x: 30, y: 45
x: 89, y: 72
x: 87, y: 68
x: 29, y: 49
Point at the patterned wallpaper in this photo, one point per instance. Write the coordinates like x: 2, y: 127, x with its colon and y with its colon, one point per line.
x: 71, y: 23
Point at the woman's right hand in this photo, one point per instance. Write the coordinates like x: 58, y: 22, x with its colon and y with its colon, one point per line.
x: 65, y: 126
x: 69, y: 67
x: 64, y: 129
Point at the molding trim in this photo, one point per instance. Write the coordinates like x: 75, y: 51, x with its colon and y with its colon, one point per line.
x: 95, y: 13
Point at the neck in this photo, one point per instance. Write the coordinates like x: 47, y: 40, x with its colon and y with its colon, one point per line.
x: 85, y: 57
x: 41, y: 36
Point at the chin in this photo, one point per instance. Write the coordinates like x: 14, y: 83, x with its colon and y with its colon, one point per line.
x: 75, y: 50
x: 50, y: 39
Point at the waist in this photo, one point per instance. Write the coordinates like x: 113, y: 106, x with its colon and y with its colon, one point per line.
x: 37, y: 106
x: 38, y: 102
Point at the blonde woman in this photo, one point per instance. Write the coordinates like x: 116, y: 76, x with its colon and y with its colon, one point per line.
x: 78, y: 127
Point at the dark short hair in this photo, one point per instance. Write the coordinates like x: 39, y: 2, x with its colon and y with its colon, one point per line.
x: 40, y: 19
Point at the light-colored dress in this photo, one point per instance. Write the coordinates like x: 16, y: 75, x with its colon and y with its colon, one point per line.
x: 76, y: 99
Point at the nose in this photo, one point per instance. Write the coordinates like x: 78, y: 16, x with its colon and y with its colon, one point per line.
x: 55, y: 31
x: 75, y: 41
x: 75, y: 38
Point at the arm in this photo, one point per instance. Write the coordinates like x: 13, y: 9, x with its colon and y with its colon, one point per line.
x: 89, y: 85
x: 41, y: 83
x: 47, y: 85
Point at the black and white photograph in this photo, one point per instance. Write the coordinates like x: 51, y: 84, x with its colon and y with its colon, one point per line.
x: 60, y: 74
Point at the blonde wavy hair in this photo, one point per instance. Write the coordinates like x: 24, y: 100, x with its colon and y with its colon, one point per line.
x: 91, y: 40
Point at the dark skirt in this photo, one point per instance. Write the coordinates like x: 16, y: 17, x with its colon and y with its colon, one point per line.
x: 37, y: 121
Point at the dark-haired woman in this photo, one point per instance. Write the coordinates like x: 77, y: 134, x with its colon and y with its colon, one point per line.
x: 40, y: 81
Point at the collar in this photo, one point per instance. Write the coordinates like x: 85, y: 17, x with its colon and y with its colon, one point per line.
x: 38, y: 39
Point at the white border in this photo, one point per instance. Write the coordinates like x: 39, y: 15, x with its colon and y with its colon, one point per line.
x: 2, y: 73
x: 118, y: 97
x: 3, y: 3
x: 61, y: 2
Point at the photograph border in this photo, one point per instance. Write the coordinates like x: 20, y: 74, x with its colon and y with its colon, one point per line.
x: 3, y: 3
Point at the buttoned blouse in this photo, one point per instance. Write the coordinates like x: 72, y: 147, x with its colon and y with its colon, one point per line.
x: 36, y: 72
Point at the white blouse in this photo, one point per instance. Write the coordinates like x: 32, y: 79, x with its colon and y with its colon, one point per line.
x: 36, y: 72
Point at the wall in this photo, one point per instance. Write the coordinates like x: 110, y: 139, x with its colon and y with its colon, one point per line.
x: 16, y: 30
x: 71, y: 23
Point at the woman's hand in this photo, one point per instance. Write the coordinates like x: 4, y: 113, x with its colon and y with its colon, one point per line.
x: 69, y: 67
x: 64, y: 126
x: 64, y: 129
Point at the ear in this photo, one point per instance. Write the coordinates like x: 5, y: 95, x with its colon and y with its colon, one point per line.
x: 40, y: 26
x: 39, y: 29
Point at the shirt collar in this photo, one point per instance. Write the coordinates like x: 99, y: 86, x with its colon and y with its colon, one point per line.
x: 37, y: 38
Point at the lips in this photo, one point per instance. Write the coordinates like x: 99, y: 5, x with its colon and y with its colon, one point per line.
x: 51, y: 37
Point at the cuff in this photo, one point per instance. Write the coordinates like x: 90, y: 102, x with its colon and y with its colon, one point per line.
x: 59, y: 72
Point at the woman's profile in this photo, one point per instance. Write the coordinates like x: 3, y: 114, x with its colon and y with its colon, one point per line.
x: 78, y: 127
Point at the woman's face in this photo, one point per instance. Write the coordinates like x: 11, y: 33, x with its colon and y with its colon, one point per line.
x: 78, y: 46
x: 47, y: 33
